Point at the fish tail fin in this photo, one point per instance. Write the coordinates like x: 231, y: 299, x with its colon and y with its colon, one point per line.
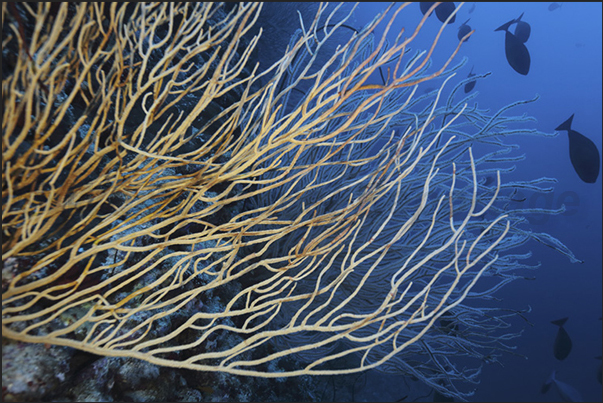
x: 547, y: 384
x: 552, y: 376
x: 559, y: 322
x: 505, y: 27
x: 567, y: 125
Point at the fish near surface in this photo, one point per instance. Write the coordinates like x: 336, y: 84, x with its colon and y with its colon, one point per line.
x: 443, y: 11
x: 522, y: 30
x: 516, y: 52
x: 584, y: 154
x: 425, y: 6
x: 563, y: 343
x: 554, y: 6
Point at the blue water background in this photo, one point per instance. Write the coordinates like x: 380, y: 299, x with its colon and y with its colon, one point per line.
x: 565, y: 47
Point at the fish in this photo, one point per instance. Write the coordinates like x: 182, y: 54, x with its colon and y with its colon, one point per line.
x: 568, y: 393
x: 464, y: 29
x: 471, y: 84
x: 425, y: 6
x: 488, y: 180
x: 563, y: 343
x: 516, y: 52
x: 444, y: 10
x: 472, y: 8
x: 554, y: 6
x: 522, y: 29
x: 546, y: 386
x: 584, y: 154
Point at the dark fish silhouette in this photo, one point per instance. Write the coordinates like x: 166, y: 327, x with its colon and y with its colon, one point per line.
x: 568, y: 393
x: 444, y: 10
x: 489, y: 179
x: 554, y: 6
x: 472, y: 8
x: 546, y: 386
x: 425, y: 6
x: 522, y: 30
x: 470, y: 85
x: 583, y: 153
x: 464, y: 29
x: 516, y: 52
x: 563, y: 343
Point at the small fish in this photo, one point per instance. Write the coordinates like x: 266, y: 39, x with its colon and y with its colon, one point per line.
x: 546, y: 386
x: 516, y: 52
x: 563, y: 343
x: 444, y: 10
x: 522, y: 29
x: 554, y: 6
x: 464, y: 29
x: 425, y: 6
x: 568, y: 393
x: 472, y: 8
x: 469, y: 86
x: 488, y: 180
x: 583, y: 153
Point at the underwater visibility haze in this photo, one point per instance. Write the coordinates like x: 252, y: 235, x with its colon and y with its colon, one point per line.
x: 565, y: 49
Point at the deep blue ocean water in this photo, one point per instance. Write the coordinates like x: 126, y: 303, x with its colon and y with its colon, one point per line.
x: 565, y: 48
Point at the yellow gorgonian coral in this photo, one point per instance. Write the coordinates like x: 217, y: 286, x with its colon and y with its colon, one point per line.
x: 165, y: 199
